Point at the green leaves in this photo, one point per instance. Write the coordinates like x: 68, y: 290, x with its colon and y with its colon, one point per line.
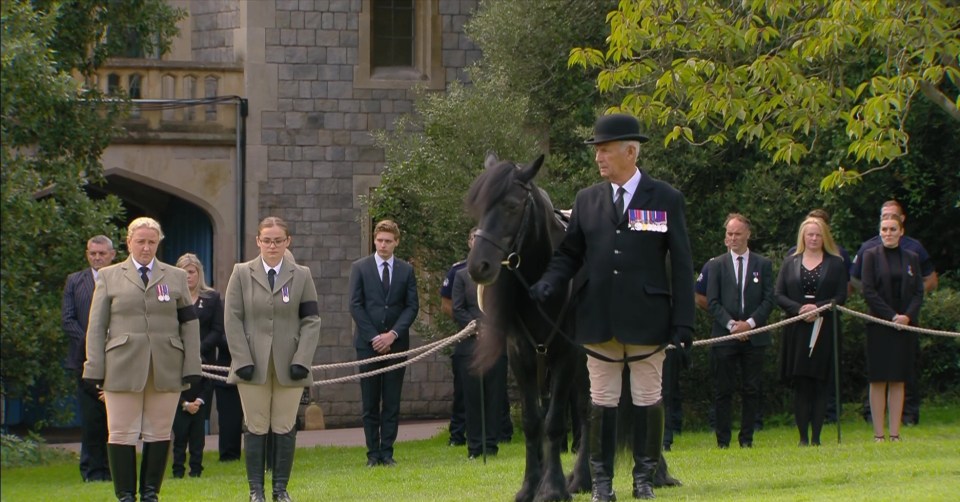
x: 781, y: 72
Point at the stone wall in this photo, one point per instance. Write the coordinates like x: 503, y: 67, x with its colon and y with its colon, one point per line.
x: 321, y: 156
x: 213, y: 22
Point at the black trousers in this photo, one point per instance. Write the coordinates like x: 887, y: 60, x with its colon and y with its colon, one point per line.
x: 458, y: 418
x: 380, y: 399
x: 747, y: 360
x: 94, y: 465
x: 188, y: 431
x: 229, y: 420
x: 491, y: 415
x: 672, y: 400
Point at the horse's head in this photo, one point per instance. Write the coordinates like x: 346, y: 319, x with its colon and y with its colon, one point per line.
x: 502, y: 200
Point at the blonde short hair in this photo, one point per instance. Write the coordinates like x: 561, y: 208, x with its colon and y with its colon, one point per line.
x: 191, y: 259
x: 144, y: 222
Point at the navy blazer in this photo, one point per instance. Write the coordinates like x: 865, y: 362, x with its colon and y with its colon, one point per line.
x: 375, y: 313
x: 638, y: 282
x: 75, y: 314
x: 878, y: 292
x: 723, y: 297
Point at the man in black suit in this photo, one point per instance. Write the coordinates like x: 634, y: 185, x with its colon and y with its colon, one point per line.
x: 740, y: 298
x: 634, y: 300
x: 383, y: 303
x: 75, y: 313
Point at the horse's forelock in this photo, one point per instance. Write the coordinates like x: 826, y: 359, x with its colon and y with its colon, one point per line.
x: 489, y: 187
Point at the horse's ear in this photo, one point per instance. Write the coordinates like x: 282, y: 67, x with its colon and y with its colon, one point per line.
x: 530, y: 171
x: 491, y: 159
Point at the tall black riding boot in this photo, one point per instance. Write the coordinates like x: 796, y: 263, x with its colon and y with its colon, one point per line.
x: 254, y: 446
x: 153, y: 465
x: 603, y: 449
x: 647, y: 444
x: 123, y: 468
x: 284, y: 446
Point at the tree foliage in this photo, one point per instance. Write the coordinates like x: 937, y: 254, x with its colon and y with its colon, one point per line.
x: 53, y: 133
x: 781, y: 74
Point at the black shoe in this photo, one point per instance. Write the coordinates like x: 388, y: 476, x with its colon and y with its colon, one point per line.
x: 746, y: 444
x: 388, y: 462
x: 666, y: 446
x: 456, y: 443
x: 643, y: 491
x: 373, y: 462
x: 723, y: 446
x: 282, y: 496
x: 257, y: 496
x: 194, y: 474
x: 178, y: 475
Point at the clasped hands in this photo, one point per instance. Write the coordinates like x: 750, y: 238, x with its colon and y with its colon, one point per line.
x: 382, y: 342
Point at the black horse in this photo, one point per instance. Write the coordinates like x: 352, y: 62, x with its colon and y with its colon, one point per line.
x: 518, y: 231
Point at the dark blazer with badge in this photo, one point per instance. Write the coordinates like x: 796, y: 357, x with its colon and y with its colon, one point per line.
x: 723, y: 297
x: 639, y: 283
x: 130, y: 327
x: 75, y: 315
x: 375, y: 313
x: 260, y: 321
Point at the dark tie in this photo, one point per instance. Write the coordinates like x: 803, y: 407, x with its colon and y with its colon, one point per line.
x: 618, y: 204
x: 271, y: 277
x: 386, y: 277
x: 143, y: 275
x: 740, y: 281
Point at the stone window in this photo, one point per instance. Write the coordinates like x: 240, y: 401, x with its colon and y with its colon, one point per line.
x: 211, y: 85
x: 399, y: 45
x: 189, y: 92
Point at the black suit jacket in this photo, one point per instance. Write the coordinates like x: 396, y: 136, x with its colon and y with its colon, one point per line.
x: 639, y: 283
x: 466, y: 308
x: 375, y: 313
x: 75, y: 314
x: 723, y: 299
x: 877, y: 288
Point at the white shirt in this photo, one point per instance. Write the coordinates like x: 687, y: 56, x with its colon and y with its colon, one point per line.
x: 746, y: 260
x: 139, y: 266
x: 630, y: 188
x: 380, y: 261
x: 268, y: 268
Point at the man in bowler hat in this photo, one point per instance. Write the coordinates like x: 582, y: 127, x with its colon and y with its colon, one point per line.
x: 634, y: 302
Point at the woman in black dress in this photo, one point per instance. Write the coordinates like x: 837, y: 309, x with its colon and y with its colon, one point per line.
x: 811, y: 277
x: 893, y: 290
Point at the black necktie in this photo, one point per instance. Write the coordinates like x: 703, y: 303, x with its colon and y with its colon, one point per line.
x: 271, y: 277
x: 386, y: 277
x: 143, y: 275
x: 618, y: 204
x: 740, y: 281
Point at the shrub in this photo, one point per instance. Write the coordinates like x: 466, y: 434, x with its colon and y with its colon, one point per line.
x: 22, y: 452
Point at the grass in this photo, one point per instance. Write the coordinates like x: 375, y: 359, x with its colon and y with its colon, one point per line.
x: 925, y: 466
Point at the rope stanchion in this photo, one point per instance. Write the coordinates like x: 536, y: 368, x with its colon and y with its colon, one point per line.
x: 471, y: 329
x: 430, y: 348
x: 885, y: 322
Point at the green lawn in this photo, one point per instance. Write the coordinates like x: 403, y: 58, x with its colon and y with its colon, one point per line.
x: 925, y: 466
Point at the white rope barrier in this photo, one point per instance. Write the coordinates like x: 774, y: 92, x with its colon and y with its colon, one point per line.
x: 471, y: 329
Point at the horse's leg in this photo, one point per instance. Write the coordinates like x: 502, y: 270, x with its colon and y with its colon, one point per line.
x: 579, y: 479
x: 553, y: 485
x: 525, y: 375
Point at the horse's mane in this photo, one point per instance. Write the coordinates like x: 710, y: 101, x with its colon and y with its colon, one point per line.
x: 489, y: 187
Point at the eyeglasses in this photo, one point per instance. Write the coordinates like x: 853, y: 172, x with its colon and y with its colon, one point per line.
x: 272, y: 242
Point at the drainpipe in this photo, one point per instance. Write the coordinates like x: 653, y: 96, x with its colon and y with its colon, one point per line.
x: 242, y: 112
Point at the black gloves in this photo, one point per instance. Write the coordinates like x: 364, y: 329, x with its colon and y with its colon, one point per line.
x: 298, y: 372
x: 245, y: 373
x: 683, y: 341
x: 192, y: 380
x: 541, y: 291
x: 92, y: 386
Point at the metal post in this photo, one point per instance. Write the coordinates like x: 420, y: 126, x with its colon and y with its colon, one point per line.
x: 836, y: 366
x: 483, y: 423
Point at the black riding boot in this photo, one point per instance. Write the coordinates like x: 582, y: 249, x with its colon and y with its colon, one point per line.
x: 603, y: 449
x: 647, y: 444
x: 284, y: 446
x: 152, y: 467
x: 254, y: 446
x: 123, y: 468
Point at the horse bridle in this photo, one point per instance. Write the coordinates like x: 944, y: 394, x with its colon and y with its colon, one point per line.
x: 512, y: 257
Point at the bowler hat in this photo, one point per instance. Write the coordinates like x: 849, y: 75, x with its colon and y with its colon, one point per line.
x: 616, y: 127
